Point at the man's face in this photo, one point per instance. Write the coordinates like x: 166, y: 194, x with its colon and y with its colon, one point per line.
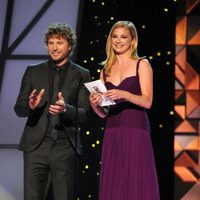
x: 58, y: 49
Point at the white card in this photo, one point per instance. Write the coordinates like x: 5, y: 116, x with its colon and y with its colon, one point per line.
x: 98, y: 86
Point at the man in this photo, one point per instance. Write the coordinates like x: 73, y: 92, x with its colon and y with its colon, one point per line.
x: 54, y: 99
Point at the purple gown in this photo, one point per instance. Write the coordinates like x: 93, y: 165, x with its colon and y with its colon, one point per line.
x: 128, y: 169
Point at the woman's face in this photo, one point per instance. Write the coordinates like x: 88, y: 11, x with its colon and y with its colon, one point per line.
x: 121, y: 40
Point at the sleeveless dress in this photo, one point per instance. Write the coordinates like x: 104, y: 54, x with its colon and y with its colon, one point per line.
x: 128, y: 170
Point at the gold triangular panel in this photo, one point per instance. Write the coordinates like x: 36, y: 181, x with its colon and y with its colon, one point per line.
x: 178, y: 86
x: 185, y: 127
x: 181, y: 59
x: 195, y: 40
x: 192, y: 79
x: 185, y: 160
x: 181, y: 29
x: 185, y: 174
x: 193, y: 193
x: 180, y: 75
x: 195, y: 114
x: 192, y: 101
x: 180, y: 110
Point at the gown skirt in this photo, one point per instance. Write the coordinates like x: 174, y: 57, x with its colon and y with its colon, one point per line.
x: 128, y: 169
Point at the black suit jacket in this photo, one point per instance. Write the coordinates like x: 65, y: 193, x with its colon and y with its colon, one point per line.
x: 75, y: 95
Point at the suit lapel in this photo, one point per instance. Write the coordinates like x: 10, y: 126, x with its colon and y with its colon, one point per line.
x: 69, y: 77
x: 46, y: 80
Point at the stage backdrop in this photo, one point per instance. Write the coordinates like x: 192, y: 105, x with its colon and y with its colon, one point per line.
x: 187, y: 102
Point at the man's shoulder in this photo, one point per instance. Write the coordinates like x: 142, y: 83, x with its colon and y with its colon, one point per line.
x: 39, y: 64
x: 79, y: 67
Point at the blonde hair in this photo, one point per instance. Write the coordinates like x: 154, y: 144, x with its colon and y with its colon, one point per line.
x: 111, y: 57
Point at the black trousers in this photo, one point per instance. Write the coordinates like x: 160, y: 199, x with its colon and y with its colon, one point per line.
x: 56, y: 159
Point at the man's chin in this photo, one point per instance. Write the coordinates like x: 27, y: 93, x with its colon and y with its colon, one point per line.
x: 58, y: 61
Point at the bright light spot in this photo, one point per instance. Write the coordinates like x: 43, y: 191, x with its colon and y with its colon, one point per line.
x: 87, y: 133
x: 143, y: 26
x: 151, y: 57
x: 158, y: 54
x: 169, y: 53
x: 171, y: 112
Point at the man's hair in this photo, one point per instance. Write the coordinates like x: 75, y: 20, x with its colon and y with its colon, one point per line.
x: 61, y: 30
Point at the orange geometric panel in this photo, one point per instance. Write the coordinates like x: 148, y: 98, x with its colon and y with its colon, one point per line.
x: 193, y: 193
x: 192, y: 78
x: 180, y: 75
x: 180, y: 110
x: 185, y: 160
x: 194, y: 144
x: 181, y: 59
x: 195, y: 114
x: 178, y: 93
x: 192, y: 101
x: 177, y: 148
x: 185, y: 127
x: 181, y: 28
x: 185, y: 174
x: 195, y: 40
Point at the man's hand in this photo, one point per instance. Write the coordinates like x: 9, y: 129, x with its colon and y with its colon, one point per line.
x: 34, y: 98
x: 59, y: 107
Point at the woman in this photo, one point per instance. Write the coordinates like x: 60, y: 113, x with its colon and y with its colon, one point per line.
x: 128, y: 169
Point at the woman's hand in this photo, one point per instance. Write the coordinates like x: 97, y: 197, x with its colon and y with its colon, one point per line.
x: 95, y: 98
x: 115, y: 94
